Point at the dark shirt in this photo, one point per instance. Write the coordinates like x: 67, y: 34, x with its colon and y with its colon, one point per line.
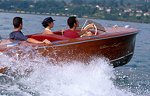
x: 17, y: 35
x: 71, y: 34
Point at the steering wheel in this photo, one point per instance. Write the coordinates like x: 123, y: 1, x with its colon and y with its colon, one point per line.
x: 95, y: 28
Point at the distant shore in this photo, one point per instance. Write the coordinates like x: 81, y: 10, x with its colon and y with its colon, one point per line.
x: 47, y: 14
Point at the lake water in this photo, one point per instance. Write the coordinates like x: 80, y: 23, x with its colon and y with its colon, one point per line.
x: 74, y: 78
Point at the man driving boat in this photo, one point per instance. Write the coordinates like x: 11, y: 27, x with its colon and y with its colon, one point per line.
x: 72, y: 32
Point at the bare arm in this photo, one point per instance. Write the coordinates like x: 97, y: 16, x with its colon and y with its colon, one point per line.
x: 31, y: 40
x: 85, y: 29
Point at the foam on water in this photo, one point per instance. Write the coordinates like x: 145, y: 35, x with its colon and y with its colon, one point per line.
x: 39, y: 77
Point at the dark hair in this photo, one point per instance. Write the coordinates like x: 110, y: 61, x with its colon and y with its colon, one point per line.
x: 71, y: 20
x: 17, y: 21
x: 46, y: 21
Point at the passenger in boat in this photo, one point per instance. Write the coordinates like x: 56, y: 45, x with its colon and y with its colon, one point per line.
x: 73, y: 32
x: 18, y: 35
x: 48, y: 23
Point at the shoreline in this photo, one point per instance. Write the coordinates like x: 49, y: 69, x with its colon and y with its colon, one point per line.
x: 34, y: 13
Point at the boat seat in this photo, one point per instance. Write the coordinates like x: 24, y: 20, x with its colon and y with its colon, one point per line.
x: 50, y: 37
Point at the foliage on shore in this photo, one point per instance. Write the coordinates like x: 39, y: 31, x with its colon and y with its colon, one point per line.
x: 125, y: 10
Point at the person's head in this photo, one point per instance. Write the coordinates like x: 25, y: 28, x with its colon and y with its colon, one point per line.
x: 17, y: 22
x: 72, y: 22
x: 48, y: 22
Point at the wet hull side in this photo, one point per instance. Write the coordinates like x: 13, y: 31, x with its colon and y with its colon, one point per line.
x: 118, y: 50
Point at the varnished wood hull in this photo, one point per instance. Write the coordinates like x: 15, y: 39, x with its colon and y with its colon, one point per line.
x: 118, y: 50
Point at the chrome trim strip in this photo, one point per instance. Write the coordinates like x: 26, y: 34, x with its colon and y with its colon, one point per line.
x: 121, y: 57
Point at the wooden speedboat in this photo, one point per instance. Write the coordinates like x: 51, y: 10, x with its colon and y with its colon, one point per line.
x: 116, y: 44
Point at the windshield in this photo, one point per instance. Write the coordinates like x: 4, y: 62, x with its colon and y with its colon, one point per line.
x: 84, y: 22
